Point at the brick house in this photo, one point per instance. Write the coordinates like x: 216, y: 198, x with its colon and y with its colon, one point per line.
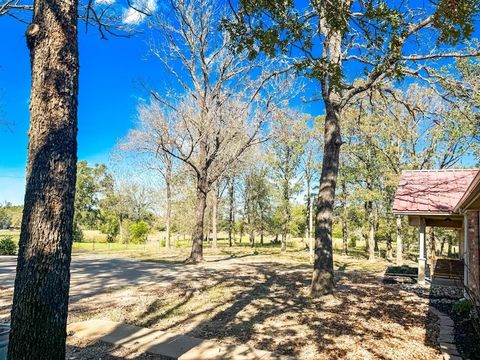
x: 444, y: 198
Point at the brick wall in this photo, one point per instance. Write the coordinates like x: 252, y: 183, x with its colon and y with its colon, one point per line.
x: 474, y: 252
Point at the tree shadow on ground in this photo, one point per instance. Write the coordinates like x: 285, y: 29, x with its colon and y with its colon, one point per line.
x: 274, y: 312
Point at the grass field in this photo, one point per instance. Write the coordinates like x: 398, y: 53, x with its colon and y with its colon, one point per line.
x: 154, y: 250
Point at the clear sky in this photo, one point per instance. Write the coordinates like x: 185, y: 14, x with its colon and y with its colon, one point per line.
x: 113, y: 73
x: 111, y: 76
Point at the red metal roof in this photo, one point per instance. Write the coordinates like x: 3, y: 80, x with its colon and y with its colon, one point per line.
x: 431, y: 191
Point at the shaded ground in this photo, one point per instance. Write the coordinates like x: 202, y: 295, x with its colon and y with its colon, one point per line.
x: 259, y: 300
x: 266, y: 306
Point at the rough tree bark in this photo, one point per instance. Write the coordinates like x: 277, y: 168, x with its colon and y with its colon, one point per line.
x: 40, y: 301
x: 196, y: 254
x: 322, y: 279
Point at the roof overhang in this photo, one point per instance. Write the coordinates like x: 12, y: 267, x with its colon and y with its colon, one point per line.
x: 471, y: 198
x: 433, y: 219
x: 424, y: 213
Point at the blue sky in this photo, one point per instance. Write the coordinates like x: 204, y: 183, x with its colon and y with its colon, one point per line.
x: 111, y: 74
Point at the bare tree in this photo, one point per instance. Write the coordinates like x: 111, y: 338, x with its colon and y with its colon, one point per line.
x: 219, y: 110
x: 143, y: 140
x: 15, y: 8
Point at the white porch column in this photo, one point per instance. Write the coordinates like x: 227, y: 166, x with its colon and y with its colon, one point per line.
x: 421, y: 255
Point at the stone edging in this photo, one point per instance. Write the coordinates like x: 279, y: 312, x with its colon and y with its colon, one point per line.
x: 446, y: 338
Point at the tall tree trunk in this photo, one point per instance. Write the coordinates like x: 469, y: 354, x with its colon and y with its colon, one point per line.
x: 442, y: 245
x: 371, y: 231
x: 231, y: 219
x: 284, y: 241
x: 389, y: 254
x: 196, y: 254
x: 399, y: 241
x: 344, y: 217
x: 310, y: 216
x: 344, y: 236
x: 449, y: 246
x: 322, y: 279
x: 169, y: 207
x: 214, y: 216
x: 371, y: 241
x: 40, y: 301
x: 286, y: 215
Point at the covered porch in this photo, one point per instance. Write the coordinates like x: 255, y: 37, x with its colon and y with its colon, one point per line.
x: 428, y: 199
x: 451, y: 268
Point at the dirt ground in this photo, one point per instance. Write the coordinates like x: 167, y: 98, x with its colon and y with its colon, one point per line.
x: 266, y: 305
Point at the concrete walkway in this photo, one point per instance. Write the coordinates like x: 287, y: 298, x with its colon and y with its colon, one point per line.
x: 446, y: 338
x: 165, y: 345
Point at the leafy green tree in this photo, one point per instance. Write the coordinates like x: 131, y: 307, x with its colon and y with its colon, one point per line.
x: 298, y: 221
x: 284, y: 157
x: 375, y: 40
x: 94, y: 184
x: 258, y: 207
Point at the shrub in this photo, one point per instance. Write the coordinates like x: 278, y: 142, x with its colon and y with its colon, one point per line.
x: 77, y: 233
x: 8, y: 246
x: 110, y: 227
x: 337, y: 231
x: 352, y: 243
x: 138, y: 232
x: 462, y: 307
x: 5, y: 219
